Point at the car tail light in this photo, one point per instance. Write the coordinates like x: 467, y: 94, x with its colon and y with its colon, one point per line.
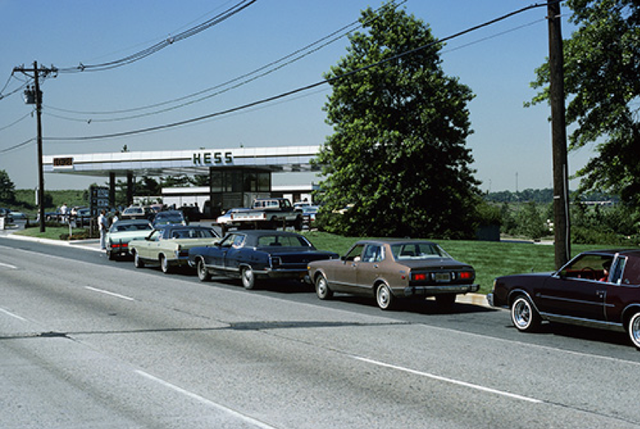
x: 419, y: 277
x: 465, y: 275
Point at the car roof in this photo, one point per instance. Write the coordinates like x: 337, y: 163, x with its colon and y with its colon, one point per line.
x: 623, y: 252
x: 132, y: 221
x: 260, y: 232
x: 394, y: 241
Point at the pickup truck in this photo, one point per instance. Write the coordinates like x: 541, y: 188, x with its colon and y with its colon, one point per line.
x: 266, y: 213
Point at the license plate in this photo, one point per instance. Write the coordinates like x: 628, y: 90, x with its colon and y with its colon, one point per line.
x: 443, y: 277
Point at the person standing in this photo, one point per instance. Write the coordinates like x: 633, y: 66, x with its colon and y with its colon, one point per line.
x: 63, y: 212
x: 103, y: 226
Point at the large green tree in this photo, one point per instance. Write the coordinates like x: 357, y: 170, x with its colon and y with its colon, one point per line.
x: 602, y: 85
x: 7, y: 188
x: 400, y: 125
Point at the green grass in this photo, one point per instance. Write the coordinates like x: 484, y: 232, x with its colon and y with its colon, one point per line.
x: 53, y: 232
x: 489, y: 259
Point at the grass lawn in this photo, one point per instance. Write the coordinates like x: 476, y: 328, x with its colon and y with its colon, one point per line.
x: 51, y: 232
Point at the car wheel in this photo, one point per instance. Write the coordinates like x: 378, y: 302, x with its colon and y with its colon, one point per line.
x: 633, y: 328
x: 523, y: 316
x: 137, y: 262
x: 164, y: 264
x: 110, y: 255
x: 384, y: 297
x: 322, y: 288
x: 445, y: 301
x: 248, y: 278
x: 203, y: 273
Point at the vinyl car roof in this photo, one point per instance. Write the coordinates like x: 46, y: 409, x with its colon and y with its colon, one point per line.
x: 394, y: 241
x: 259, y: 232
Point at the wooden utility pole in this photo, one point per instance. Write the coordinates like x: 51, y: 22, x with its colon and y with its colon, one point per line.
x: 558, y: 138
x: 34, y: 96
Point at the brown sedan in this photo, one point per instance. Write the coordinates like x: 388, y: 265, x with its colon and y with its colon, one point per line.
x: 392, y: 269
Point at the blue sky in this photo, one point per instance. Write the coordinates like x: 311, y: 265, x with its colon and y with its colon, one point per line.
x: 511, y: 144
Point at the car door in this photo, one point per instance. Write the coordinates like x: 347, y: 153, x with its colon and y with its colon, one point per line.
x: 146, y: 247
x: 344, y: 274
x: 368, y: 269
x: 232, y: 254
x: 576, y: 291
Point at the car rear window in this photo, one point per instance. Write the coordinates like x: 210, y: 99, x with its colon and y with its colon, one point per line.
x: 407, y: 251
x: 280, y: 240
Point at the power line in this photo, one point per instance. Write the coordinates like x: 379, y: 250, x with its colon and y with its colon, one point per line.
x: 163, y: 44
x: 301, y: 89
x: 264, y: 71
x: 16, y: 121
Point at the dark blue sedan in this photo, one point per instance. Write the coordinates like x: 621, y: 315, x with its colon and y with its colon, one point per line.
x: 253, y: 255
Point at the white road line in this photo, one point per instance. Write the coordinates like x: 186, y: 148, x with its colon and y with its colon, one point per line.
x: 206, y: 401
x: 449, y: 380
x: 8, y: 313
x: 8, y: 266
x: 106, y: 292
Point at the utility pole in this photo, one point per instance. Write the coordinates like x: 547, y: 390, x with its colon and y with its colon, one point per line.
x: 34, y: 96
x: 558, y: 138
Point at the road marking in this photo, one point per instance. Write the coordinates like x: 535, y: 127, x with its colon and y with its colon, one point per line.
x: 8, y: 266
x: 449, y: 380
x: 106, y: 292
x: 8, y: 313
x: 206, y: 401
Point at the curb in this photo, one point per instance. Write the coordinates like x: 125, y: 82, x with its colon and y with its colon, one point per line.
x: 85, y: 244
x: 474, y: 299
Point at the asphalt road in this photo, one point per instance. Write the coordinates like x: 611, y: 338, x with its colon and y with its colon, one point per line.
x: 87, y: 343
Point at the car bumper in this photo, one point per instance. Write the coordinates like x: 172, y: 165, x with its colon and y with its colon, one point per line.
x: 292, y: 274
x: 490, y: 299
x: 432, y: 290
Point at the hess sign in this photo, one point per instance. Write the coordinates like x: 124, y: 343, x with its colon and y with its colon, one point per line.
x: 212, y: 158
x: 63, y: 162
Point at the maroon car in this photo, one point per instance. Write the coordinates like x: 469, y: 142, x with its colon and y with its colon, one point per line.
x: 597, y: 288
x: 392, y: 269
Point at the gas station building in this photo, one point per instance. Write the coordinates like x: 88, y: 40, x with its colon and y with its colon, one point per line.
x: 236, y: 176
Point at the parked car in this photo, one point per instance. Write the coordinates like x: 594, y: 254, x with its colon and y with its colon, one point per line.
x: 6, y: 214
x: 224, y: 219
x: 169, y: 247
x: 255, y: 255
x: 82, y: 217
x: 309, y: 214
x: 138, y: 212
x: 18, y: 216
x: 169, y: 217
x: 392, y: 269
x: 122, y: 232
x: 599, y: 289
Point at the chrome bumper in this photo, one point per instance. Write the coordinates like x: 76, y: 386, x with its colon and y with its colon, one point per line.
x: 432, y: 290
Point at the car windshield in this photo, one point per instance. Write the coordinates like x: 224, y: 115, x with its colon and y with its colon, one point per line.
x: 417, y: 251
x: 588, y: 266
x: 283, y: 240
x: 134, y: 210
x: 131, y: 227
x: 168, y: 218
x: 192, y: 233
